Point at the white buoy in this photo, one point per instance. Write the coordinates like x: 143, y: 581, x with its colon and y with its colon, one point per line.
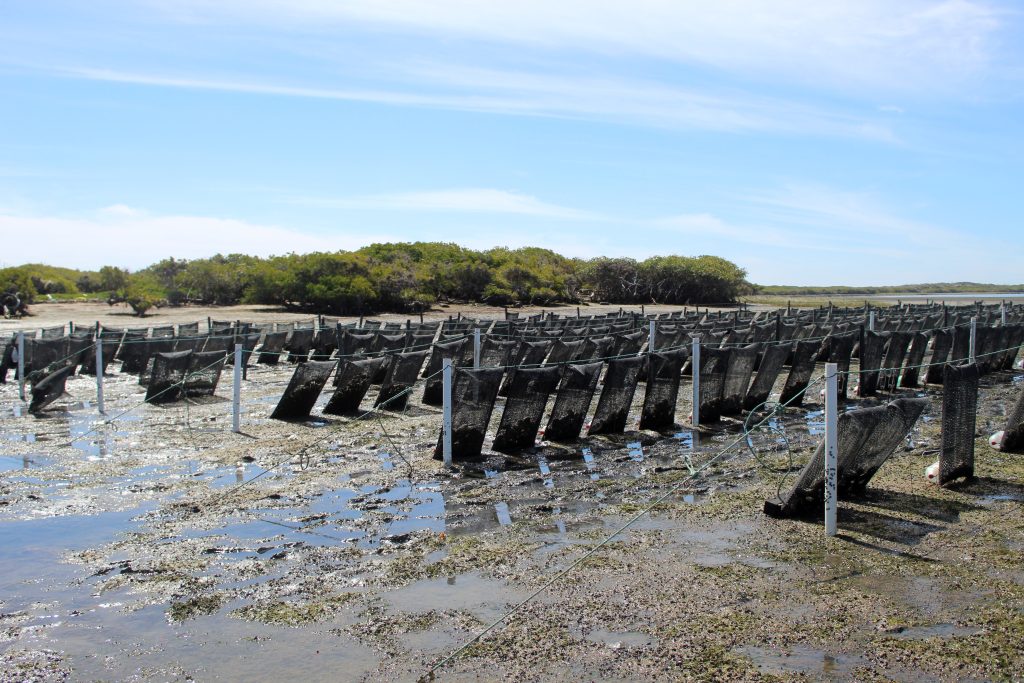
x: 931, y: 473
x: 996, y: 440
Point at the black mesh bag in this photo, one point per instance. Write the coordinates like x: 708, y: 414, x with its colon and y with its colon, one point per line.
x: 866, y: 438
x: 767, y: 373
x: 303, y: 390
x: 617, y: 396
x: 433, y: 386
x: 402, y: 372
x: 527, y: 398
x: 50, y: 388
x: 575, y: 394
x: 659, y: 411
x: 351, y: 384
x: 473, y: 396
x: 959, y: 418
x: 166, y: 380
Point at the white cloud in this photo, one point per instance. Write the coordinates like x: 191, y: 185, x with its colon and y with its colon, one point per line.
x: 835, y: 43
x: 127, y: 237
x: 527, y: 94
x: 472, y: 200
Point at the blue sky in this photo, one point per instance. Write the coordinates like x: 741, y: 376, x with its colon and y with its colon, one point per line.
x: 834, y: 142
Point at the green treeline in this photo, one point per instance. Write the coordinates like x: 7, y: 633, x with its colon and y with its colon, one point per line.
x: 394, y: 277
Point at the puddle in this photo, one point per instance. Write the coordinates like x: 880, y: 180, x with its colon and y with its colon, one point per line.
x: 800, y: 659
x: 636, y: 451
x: 591, y: 465
x: 934, y: 631
x: 502, y: 513
x: 620, y: 639
x: 484, y: 598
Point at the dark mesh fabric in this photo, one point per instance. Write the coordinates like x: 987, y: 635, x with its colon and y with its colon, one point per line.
x: 1016, y: 338
x: 915, y: 357
x: 961, y: 344
x: 527, y: 398
x: 131, y: 353
x: 432, y: 389
x: 303, y: 389
x: 219, y: 342
x: 420, y: 342
x: 895, y: 351
x: 659, y: 411
x: 627, y: 344
x: 44, y: 355
x: 402, y: 372
x: 573, y: 401
x: 617, y: 396
x: 497, y: 353
x: 7, y: 362
x: 188, y: 330
x: 942, y: 344
x: 194, y: 343
x: 299, y: 344
x: 1013, y: 433
x: 166, y: 381
x: 153, y: 347
x: 839, y: 352
x: 204, y: 370
x: 738, y: 371
x: 50, y: 388
x: 325, y: 342
x: 713, y: 364
x: 597, y: 348
x: 473, y: 395
x: 51, y: 332
x: 248, y: 341
x: 272, y: 348
x: 162, y: 331
x: 352, y: 382
x: 959, y: 417
x: 793, y: 392
x: 866, y: 439
x: 564, y: 351
x: 529, y: 354
x: 110, y: 344
x: 355, y: 344
x: 79, y: 345
x: 768, y: 372
x: 871, y: 346
x: 388, y: 343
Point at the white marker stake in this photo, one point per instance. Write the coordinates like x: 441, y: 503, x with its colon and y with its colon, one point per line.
x: 21, y: 365
x: 446, y: 391
x: 871, y: 321
x: 831, y: 446
x: 695, y: 366
x: 974, y: 337
x: 650, y: 337
x: 236, y: 392
x: 99, y: 375
x: 476, y: 348
x: 1002, y: 313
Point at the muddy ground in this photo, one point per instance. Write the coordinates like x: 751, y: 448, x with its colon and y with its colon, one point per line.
x: 164, y: 547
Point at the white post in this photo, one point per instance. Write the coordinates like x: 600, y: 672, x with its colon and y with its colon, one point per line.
x: 831, y: 446
x: 1002, y: 313
x: 21, y: 365
x: 871, y: 321
x: 236, y: 392
x: 650, y: 337
x: 974, y: 336
x: 99, y: 375
x: 695, y: 366
x: 476, y: 348
x: 446, y: 391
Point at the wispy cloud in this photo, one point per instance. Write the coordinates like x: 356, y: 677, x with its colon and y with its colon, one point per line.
x: 472, y: 200
x: 911, y: 44
x: 527, y: 94
x: 129, y: 237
